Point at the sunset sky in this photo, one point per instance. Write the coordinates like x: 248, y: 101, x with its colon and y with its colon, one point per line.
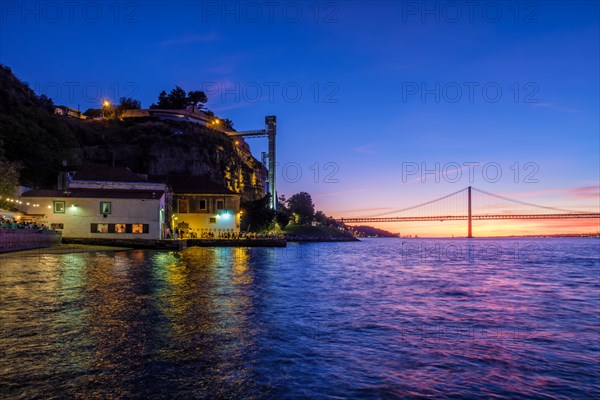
x: 367, y: 94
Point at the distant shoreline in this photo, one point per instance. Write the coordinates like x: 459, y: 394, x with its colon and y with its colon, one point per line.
x: 582, y: 235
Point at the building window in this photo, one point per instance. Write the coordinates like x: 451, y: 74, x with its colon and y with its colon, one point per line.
x: 57, y: 226
x: 102, y: 228
x: 105, y: 207
x: 202, y: 204
x: 120, y: 228
x: 59, y: 207
x: 137, y: 228
x: 193, y: 205
x: 184, y: 206
x: 220, y: 204
x: 213, y: 220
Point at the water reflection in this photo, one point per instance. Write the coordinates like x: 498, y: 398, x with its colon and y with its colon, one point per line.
x: 208, y: 315
x: 376, y: 319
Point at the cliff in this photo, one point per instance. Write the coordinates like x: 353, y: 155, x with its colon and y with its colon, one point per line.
x: 31, y: 133
x: 171, y: 148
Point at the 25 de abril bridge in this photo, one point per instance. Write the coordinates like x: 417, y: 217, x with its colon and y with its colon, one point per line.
x: 470, y: 204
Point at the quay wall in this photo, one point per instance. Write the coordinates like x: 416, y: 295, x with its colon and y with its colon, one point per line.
x: 25, y: 239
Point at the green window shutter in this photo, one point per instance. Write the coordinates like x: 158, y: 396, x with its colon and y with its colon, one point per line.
x: 94, y: 228
x: 128, y: 228
x: 146, y: 228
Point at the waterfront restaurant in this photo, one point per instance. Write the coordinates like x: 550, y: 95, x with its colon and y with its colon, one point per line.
x: 202, y: 208
x: 100, y: 202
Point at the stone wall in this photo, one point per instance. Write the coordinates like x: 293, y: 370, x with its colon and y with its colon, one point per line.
x: 23, y: 239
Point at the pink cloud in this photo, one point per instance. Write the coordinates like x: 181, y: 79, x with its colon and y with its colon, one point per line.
x: 584, y: 192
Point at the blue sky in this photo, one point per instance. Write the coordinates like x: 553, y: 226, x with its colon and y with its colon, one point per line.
x: 360, y: 89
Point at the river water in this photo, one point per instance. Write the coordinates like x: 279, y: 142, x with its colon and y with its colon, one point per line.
x: 383, y: 318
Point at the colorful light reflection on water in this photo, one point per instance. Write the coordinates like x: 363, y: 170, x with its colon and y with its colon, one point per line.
x: 377, y: 319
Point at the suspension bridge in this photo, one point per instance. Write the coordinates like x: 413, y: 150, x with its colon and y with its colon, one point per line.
x: 472, y: 204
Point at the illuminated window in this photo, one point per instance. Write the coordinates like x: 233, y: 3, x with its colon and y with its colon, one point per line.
x: 105, y: 207
x: 137, y: 228
x: 59, y: 207
x: 57, y: 226
x: 120, y: 228
x: 102, y: 228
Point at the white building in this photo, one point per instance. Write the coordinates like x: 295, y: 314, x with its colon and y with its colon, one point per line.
x: 201, y: 208
x: 101, y: 202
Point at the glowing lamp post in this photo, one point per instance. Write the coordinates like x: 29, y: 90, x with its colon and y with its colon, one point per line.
x: 105, y: 108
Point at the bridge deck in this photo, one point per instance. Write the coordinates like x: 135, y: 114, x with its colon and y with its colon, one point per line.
x: 466, y: 217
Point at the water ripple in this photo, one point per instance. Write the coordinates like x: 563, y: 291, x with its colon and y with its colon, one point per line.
x: 462, y: 319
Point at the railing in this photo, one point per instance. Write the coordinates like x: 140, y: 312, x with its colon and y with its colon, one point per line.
x: 23, y: 239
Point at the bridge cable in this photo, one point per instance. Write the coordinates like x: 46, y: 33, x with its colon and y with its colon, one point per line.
x: 416, y: 206
x: 526, y: 203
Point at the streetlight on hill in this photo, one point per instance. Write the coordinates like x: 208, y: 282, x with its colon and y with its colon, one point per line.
x: 105, y: 108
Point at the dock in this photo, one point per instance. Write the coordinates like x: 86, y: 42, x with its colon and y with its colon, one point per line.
x: 176, y: 245
x: 150, y: 244
x: 260, y: 242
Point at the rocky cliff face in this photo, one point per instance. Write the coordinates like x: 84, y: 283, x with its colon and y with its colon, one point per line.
x: 32, y: 134
x: 166, y: 147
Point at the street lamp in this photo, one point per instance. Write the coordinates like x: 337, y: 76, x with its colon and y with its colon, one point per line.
x: 105, y: 108
x: 214, y: 123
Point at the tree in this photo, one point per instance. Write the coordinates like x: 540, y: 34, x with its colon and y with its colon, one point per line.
x: 178, y: 99
x: 257, y: 215
x: 282, y: 203
x: 283, y: 218
x: 227, y: 124
x: 9, y: 181
x: 196, y: 97
x: 46, y: 103
x: 321, y: 218
x: 283, y: 213
x: 32, y: 135
x: 127, y: 103
x: 163, y: 101
x: 302, y: 205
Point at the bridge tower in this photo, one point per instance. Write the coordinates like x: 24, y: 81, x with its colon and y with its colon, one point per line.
x: 470, y: 216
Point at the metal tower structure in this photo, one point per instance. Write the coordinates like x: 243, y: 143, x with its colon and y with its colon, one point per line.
x: 470, y: 215
x: 270, y: 132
